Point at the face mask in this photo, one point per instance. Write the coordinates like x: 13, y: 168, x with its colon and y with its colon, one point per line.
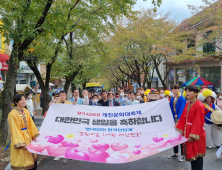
x: 121, y: 94
x: 95, y: 100
x: 138, y: 97
x: 220, y: 97
x: 29, y: 97
x: 110, y: 99
x: 162, y: 95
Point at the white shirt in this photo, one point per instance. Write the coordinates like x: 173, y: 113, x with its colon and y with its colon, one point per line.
x: 130, y: 102
x: 29, y: 104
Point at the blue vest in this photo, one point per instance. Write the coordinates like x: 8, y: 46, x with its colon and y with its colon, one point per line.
x: 207, y: 116
x: 79, y: 101
x: 181, y: 103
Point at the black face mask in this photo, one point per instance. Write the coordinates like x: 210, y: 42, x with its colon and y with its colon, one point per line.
x: 152, y: 100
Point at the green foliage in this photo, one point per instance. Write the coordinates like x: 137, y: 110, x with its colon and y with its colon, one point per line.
x: 140, y: 45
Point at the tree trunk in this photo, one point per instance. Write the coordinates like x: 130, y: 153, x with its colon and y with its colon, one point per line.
x: 46, y: 99
x: 7, y: 94
x: 84, y: 85
x: 73, y: 86
x: 66, y: 86
x: 158, y: 73
x: 69, y: 79
x: 145, y: 80
x: 44, y: 86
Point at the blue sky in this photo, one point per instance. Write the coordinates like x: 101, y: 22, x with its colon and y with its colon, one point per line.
x: 178, y: 8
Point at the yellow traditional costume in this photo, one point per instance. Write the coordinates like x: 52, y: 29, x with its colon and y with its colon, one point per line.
x: 66, y: 102
x: 145, y: 99
x: 23, y: 131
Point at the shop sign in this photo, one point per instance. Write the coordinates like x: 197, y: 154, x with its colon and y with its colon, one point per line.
x: 180, y: 73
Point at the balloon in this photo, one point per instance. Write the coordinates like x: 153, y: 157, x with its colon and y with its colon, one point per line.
x: 72, y: 153
x: 118, y: 146
x: 98, y: 156
x: 69, y: 144
x: 158, y: 139
x: 37, y: 147
x: 101, y: 147
x: 137, y: 152
x: 55, y: 139
x: 56, y: 150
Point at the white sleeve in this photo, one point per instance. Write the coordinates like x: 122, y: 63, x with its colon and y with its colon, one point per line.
x: 216, y: 107
x: 86, y: 100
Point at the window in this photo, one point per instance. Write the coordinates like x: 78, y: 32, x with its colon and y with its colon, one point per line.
x: 209, y: 47
x: 191, y: 73
x: 191, y: 43
x: 211, y: 74
x: 23, y: 82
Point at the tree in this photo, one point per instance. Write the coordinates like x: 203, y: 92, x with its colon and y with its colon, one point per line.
x: 23, y: 22
x: 29, y: 20
x: 143, y: 43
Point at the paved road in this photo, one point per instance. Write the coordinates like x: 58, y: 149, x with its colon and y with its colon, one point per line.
x: 155, y: 162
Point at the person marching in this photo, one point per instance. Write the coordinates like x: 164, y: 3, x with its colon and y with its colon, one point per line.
x: 177, y: 104
x: 95, y: 101
x: 167, y: 94
x: 154, y: 95
x: 139, y: 97
x: 104, y: 97
x: 121, y: 100
x: 110, y: 101
x: 146, y: 96
x: 23, y: 131
x: 132, y: 100
x: 162, y: 94
x: 29, y: 104
x: 207, y: 97
x: 77, y: 100
x: 62, y: 97
x: 191, y: 126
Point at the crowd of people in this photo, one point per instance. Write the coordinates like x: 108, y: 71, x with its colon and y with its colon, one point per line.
x: 194, y: 114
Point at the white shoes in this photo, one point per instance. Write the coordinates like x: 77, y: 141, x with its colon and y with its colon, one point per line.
x: 56, y: 158
x: 181, y: 158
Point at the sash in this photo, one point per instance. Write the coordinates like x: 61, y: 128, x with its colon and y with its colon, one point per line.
x: 10, y: 141
x: 209, y: 108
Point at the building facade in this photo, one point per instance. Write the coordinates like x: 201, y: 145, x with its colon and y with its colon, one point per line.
x: 26, y: 76
x: 4, y: 57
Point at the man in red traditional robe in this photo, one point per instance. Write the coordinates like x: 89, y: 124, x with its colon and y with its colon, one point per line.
x: 191, y: 126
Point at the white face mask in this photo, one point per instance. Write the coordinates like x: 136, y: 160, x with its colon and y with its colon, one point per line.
x: 121, y: 94
x: 220, y: 97
x: 30, y: 97
x: 110, y: 99
x: 138, y: 97
x: 162, y: 95
x: 95, y: 100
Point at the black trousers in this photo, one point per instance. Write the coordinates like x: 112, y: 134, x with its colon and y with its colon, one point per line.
x: 35, y: 168
x: 176, y: 149
x: 197, y: 164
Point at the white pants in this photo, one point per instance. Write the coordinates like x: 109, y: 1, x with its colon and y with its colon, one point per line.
x: 212, y: 135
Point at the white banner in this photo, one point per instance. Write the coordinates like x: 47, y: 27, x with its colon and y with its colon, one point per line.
x: 107, y: 134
